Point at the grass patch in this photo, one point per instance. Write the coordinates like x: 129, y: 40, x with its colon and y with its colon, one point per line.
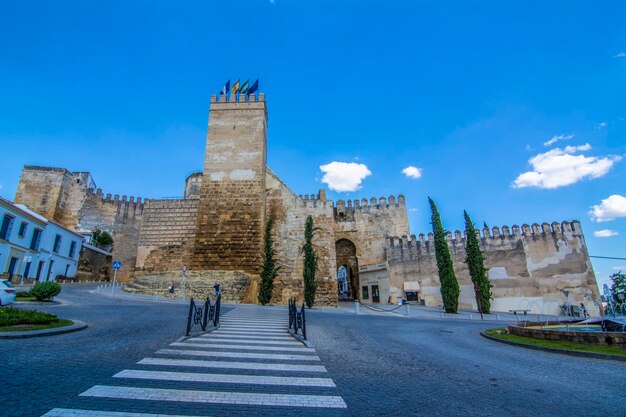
x: 13, y: 316
x: 502, y: 333
x: 29, y: 327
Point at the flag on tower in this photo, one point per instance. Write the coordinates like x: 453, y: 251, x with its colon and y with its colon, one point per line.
x: 235, y: 88
x: 225, y: 89
x: 253, y: 87
x: 244, y: 87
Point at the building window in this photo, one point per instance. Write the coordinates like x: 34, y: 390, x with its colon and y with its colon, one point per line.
x: 72, y: 249
x: 22, y: 231
x: 57, y: 244
x: 366, y: 292
x: 36, y: 240
x: 39, y: 268
x: 7, y: 225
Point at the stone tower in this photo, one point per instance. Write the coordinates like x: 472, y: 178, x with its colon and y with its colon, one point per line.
x: 231, y: 210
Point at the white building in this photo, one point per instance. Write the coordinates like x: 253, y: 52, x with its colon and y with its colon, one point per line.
x: 33, y: 247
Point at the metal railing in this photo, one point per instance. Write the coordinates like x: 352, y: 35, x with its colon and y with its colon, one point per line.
x: 203, y: 314
x: 297, y: 319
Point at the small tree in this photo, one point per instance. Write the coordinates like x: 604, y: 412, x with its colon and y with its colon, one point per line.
x: 310, y: 263
x: 101, y: 238
x: 476, y: 265
x: 269, y: 271
x: 449, y: 285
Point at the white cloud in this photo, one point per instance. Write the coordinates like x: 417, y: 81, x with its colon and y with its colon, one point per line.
x: 609, y: 209
x: 413, y: 210
x: 560, y: 167
x: 619, y: 268
x: 601, y: 125
x: 605, y: 233
x: 557, y: 138
x: 620, y: 55
x: 412, y: 172
x: 344, y: 176
x: 574, y: 149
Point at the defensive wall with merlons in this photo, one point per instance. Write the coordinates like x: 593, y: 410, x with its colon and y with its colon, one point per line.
x: 529, y: 266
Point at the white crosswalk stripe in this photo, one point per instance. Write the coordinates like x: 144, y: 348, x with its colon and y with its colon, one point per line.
x: 157, y: 394
x: 238, y: 335
x: 67, y: 412
x: 238, y: 355
x: 226, y: 378
x: 232, y: 365
x: 250, y: 338
x: 241, y: 347
x: 246, y: 341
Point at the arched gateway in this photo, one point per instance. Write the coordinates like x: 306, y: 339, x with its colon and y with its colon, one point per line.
x: 347, y: 270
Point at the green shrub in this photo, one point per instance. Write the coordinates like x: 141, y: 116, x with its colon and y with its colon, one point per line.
x: 101, y: 238
x: 22, y: 294
x: 11, y: 316
x: 45, y: 290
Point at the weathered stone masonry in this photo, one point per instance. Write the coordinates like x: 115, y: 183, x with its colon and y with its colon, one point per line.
x: 528, y: 267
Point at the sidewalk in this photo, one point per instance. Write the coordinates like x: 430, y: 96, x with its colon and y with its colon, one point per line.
x: 347, y: 307
x: 437, y: 313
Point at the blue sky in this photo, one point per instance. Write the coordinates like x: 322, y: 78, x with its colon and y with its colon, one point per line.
x: 466, y: 92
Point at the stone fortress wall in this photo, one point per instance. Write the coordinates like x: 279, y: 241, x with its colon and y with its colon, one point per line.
x: 217, y: 228
x: 529, y: 267
x: 71, y: 199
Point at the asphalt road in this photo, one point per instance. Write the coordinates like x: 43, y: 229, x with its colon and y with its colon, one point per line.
x: 383, y: 366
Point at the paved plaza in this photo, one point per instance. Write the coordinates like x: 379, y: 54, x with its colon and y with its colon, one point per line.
x: 130, y: 362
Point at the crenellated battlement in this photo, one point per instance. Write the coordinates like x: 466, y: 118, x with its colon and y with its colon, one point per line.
x: 373, y: 202
x: 115, y: 198
x: 347, y: 210
x: 237, y: 98
x: 408, y: 247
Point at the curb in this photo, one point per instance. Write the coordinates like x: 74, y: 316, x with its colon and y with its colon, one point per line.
x: 78, y: 325
x: 37, y: 303
x: 559, y: 351
x: 300, y: 339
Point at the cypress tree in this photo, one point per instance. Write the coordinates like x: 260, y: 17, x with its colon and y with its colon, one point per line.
x: 269, y: 269
x: 310, y: 263
x: 476, y: 265
x: 449, y: 285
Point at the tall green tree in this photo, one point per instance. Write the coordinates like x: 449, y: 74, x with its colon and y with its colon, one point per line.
x: 449, y: 285
x: 476, y: 264
x: 270, y: 268
x: 310, y: 263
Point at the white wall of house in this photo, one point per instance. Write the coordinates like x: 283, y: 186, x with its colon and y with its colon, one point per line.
x: 27, y: 245
x: 60, y: 249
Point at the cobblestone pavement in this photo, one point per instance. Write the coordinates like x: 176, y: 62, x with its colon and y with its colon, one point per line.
x: 394, y: 366
x: 129, y: 360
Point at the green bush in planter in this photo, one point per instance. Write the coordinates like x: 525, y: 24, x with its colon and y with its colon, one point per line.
x: 45, y: 290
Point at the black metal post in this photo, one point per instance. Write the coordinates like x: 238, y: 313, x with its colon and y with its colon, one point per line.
x: 191, y: 308
x: 207, y: 304
x: 218, y: 303
x: 303, y: 323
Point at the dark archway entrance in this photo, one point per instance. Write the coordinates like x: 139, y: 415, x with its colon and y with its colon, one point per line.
x: 347, y: 270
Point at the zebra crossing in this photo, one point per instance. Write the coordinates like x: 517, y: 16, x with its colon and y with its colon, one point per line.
x: 251, y: 365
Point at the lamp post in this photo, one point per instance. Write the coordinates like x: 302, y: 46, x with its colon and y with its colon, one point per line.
x: 182, y: 286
